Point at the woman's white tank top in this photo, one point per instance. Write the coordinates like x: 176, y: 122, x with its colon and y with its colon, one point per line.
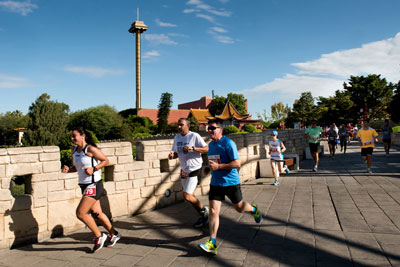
x: 82, y: 161
x: 275, y: 148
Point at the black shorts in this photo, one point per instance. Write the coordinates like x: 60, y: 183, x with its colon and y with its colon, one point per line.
x: 314, y: 147
x: 92, y: 190
x: 234, y: 193
x: 367, y: 150
x: 387, y: 140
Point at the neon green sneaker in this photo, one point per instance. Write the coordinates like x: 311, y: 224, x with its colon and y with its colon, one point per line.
x: 209, y: 247
x: 257, y: 214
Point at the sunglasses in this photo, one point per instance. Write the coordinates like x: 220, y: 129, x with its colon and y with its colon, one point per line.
x: 273, y: 135
x: 212, y: 128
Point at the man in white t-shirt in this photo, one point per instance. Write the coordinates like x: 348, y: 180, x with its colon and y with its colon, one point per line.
x: 188, y: 147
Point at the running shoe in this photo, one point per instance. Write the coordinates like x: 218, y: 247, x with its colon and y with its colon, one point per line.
x: 209, y: 247
x: 257, y: 214
x: 369, y: 170
x: 203, y: 220
x: 113, y: 239
x: 286, y: 169
x: 276, y: 182
x: 315, y: 169
x: 99, y: 242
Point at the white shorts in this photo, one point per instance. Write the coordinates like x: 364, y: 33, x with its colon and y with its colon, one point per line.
x: 189, y: 184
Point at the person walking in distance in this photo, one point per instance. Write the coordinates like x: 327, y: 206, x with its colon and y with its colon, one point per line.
x: 367, y: 138
x: 88, y: 160
x: 313, y: 135
x: 332, y: 136
x: 224, y: 163
x: 276, y: 148
x: 188, y: 147
x: 344, y: 134
x: 387, y: 136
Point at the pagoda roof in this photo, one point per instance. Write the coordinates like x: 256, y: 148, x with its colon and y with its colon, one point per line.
x: 201, y: 115
x: 230, y: 112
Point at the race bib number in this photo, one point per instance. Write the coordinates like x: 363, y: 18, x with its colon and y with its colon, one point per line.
x: 368, y: 143
x: 90, y: 191
x: 274, y: 149
x: 314, y: 138
x: 332, y: 138
x: 185, y: 174
x: 215, y: 158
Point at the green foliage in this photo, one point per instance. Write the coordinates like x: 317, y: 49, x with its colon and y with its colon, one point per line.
x: 134, y: 151
x: 279, y: 112
x: 219, y: 102
x: 230, y: 130
x: 372, y: 92
x: 164, y: 107
x: 249, y: 128
x: 394, y: 106
x: 304, y: 110
x: 396, y: 129
x: 194, y: 124
x: 103, y: 120
x: 47, y: 122
x: 66, y: 157
x: 127, y: 112
x: 172, y: 128
x: 8, y: 122
x: 66, y: 142
x: 335, y: 109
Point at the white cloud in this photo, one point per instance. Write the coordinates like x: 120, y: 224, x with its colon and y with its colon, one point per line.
x: 381, y: 57
x: 206, y: 17
x: 218, y: 29
x: 187, y: 11
x: 224, y: 39
x: 22, y: 8
x: 151, y: 54
x: 92, y: 71
x: 157, y: 39
x: 7, y: 81
x: 202, y: 6
x: 326, y: 74
x: 164, y: 24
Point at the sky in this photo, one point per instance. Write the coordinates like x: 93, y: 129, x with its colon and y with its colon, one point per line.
x: 81, y: 53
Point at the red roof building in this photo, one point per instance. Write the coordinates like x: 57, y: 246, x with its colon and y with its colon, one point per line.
x: 203, y: 103
x: 174, y: 114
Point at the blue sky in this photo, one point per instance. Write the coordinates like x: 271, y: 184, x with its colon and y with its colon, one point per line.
x: 81, y: 53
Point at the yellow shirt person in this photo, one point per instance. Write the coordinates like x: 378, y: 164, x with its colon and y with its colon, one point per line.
x: 367, y: 137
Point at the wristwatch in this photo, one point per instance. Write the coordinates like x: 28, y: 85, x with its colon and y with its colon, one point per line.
x: 95, y: 169
x: 193, y: 148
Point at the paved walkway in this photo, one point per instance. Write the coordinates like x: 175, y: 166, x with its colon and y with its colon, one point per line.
x: 340, y: 216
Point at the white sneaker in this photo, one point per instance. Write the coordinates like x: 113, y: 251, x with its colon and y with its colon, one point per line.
x: 99, y: 242
x: 315, y: 169
x: 113, y: 239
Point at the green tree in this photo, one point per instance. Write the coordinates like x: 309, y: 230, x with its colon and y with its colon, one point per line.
x: 335, y: 109
x: 371, y: 92
x: 47, y: 122
x: 394, y: 106
x: 9, y: 122
x: 219, y: 102
x: 102, y: 120
x: 304, y: 110
x: 194, y: 124
x: 279, y: 111
x: 164, y: 107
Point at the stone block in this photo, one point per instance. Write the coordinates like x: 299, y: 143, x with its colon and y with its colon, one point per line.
x: 142, y: 205
x: 19, y: 224
x: 109, y: 187
x: 108, y: 151
x: 155, y: 164
x: 51, y: 176
x: 25, y: 150
x: 5, y: 183
x: 121, y: 176
x: 40, y: 215
x: 121, y: 151
x: 177, y: 187
x: 60, y: 195
x: 109, y: 144
x: 118, y: 204
x: 140, y: 165
x: 112, y: 160
x: 163, y: 201
x: 2, y: 171
x: 23, y: 169
x: 153, y: 181
x: 163, y: 148
x: 4, y: 159
x: 70, y: 184
x: 141, y: 174
x: 39, y: 190
x: 146, y: 191
x: 22, y: 203
x: 49, y: 156
x: 3, y: 151
x: 66, y: 176
x: 131, y: 175
x: 123, y: 186
x: 154, y: 172
x: 134, y: 193
x: 5, y: 194
x: 39, y: 202
x: 151, y: 156
x: 165, y: 142
x: 57, y: 185
x: 50, y: 149
x: 125, y: 159
x: 138, y: 183
x: 1, y: 227
x: 5, y: 206
x: 51, y: 166
x: 174, y: 177
x: 62, y: 213
x: 149, y: 148
x: 147, y: 142
x: 160, y: 190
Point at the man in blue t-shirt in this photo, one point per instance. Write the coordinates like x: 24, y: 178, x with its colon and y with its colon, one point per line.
x: 224, y: 163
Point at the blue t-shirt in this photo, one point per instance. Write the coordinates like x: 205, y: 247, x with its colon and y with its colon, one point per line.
x: 223, y: 151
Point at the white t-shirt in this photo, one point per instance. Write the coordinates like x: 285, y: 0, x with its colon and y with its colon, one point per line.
x: 191, y: 160
x: 275, y: 149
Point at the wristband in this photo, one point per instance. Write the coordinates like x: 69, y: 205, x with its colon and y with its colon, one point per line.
x: 193, y: 148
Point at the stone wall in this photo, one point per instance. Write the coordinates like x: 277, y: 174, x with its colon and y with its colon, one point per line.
x: 132, y: 186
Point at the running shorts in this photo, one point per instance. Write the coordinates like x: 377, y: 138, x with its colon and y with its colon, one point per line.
x: 314, y: 147
x: 233, y: 192
x: 366, y: 151
x: 94, y: 190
